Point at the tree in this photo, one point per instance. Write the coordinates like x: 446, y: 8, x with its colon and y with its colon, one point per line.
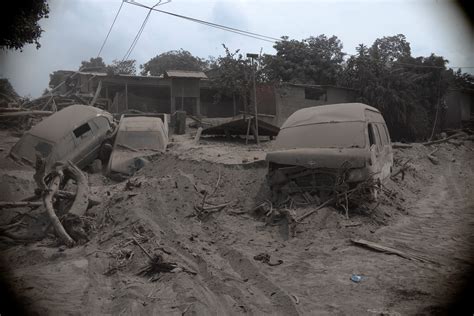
x: 390, y: 48
x: 93, y: 64
x: 315, y: 60
x: 118, y: 67
x: 173, y: 60
x: 407, y: 90
x: 231, y: 76
x: 19, y: 23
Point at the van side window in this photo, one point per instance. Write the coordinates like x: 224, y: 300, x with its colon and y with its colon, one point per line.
x: 379, y: 141
x: 371, y: 135
x: 381, y: 135
x: 81, y: 130
x: 386, y: 133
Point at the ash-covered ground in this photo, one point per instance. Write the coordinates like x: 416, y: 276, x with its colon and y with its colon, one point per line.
x: 429, y: 214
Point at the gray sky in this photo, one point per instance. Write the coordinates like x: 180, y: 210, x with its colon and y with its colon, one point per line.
x: 75, y: 30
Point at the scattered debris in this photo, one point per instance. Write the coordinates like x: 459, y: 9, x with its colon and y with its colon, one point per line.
x: 432, y: 158
x: 265, y: 258
x: 356, y: 278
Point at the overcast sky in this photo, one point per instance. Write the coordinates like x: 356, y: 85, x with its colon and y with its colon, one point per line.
x: 75, y: 30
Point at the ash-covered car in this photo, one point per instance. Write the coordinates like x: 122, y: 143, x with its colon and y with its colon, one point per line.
x: 75, y: 133
x: 137, y: 137
x: 331, y: 148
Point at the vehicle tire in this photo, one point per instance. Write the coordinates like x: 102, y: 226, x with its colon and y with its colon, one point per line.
x: 96, y: 166
x: 105, y: 151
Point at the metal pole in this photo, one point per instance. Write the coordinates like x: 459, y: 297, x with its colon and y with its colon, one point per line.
x: 255, y: 104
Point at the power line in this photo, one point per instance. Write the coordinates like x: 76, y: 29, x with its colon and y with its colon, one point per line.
x: 110, y: 29
x: 140, y: 31
x: 211, y: 24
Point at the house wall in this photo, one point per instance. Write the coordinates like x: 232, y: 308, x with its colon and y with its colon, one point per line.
x: 290, y: 98
x: 185, y: 95
x: 211, y: 106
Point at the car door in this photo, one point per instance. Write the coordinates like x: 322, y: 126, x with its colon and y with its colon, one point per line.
x: 386, y: 156
x: 375, y: 150
x: 85, y: 141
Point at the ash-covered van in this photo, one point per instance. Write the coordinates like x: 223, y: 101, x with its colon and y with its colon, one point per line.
x: 323, y: 147
x: 74, y: 133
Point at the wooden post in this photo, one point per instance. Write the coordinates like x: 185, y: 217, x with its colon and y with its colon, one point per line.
x: 235, y: 106
x: 126, y: 96
x: 172, y: 105
x: 255, y: 105
x: 107, y: 98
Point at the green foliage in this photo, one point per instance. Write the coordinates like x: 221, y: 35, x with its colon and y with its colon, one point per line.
x: 315, y: 60
x: 19, y: 23
x: 173, y: 60
x: 6, y: 90
x: 407, y: 90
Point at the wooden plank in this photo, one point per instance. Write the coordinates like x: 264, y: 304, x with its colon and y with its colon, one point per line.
x: 388, y: 250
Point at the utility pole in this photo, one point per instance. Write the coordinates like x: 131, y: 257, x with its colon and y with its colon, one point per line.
x: 253, y: 56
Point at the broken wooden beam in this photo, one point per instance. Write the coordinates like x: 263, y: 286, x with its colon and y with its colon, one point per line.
x: 389, y: 250
x: 439, y: 141
x: 48, y: 203
x: 198, y: 135
x: 13, y: 204
x: 81, y: 200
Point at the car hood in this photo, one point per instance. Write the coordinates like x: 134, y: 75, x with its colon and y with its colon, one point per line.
x: 320, y: 157
x: 127, y: 161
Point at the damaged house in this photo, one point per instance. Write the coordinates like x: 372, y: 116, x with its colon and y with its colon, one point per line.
x: 191, y: 91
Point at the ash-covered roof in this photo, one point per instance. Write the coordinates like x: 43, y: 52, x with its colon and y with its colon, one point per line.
x: 185, y: 74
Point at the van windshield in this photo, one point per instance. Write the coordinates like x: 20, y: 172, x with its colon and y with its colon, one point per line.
x: 323, y: 135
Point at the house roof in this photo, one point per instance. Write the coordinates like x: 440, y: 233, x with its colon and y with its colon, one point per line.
x: 185, y: 74
x: 56, y: 126
x: 341, y: 112
x: 324, y: 86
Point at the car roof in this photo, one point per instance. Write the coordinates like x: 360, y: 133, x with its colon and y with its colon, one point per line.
x: 59, y: 124
x: 140, y: 124
x: 340, y: 112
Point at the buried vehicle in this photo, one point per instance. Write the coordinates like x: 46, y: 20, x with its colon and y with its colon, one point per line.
x: 75, y: 133
x: 329, y: 149
x: 137, y: 137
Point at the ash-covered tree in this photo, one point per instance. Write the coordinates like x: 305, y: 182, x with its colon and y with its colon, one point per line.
x: 231, y: 75
x: 96, y: 64
x: 119, y: 67
x: 173, y: 60
x: 315, y: 60
x: 19, y: 23
x: 406, y: 89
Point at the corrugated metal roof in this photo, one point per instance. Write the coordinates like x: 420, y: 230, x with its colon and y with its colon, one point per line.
x: 103, y: 74
x: 185, y: 74
x: 340, y: 112
x: 56, y: 126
